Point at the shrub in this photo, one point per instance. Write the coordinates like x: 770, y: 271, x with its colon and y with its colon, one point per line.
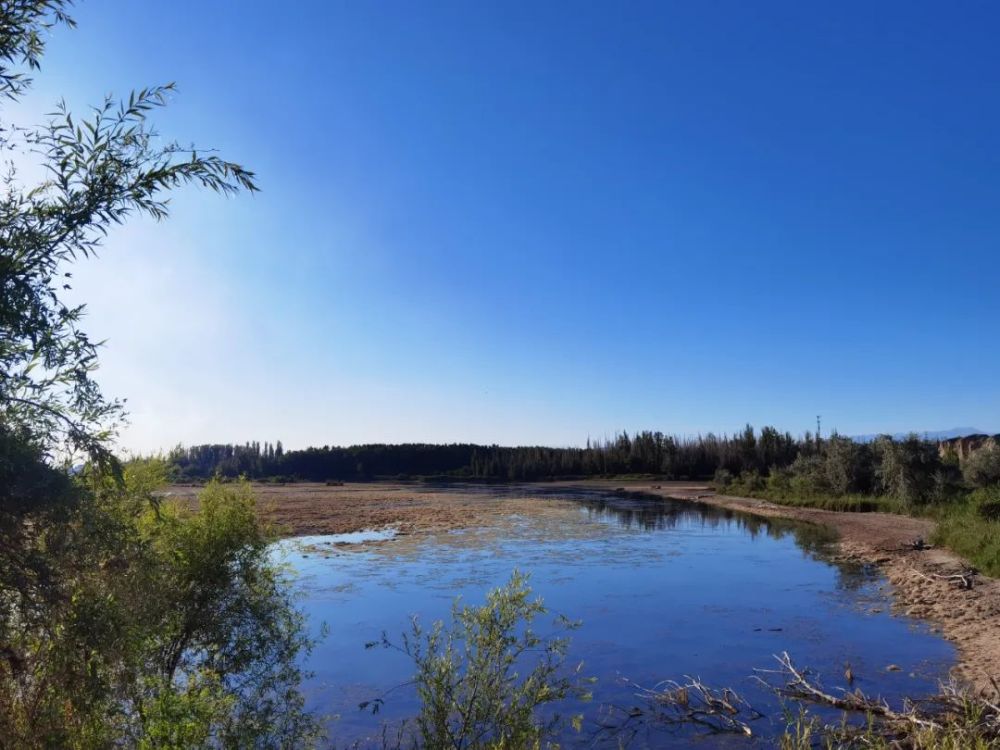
x: 723, y: 478
x: 990, y: 511
x: 779, y: 482
x: 151, y: 625
x: 972, y: 529
x: 847, y: 466
x: 809, y: 476
x: 906, y: 469
x: 982, y: 468
x: 750, y: 482
x: 482, y: 680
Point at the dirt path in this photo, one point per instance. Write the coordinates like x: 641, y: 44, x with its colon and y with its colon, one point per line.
x: 968, y: 618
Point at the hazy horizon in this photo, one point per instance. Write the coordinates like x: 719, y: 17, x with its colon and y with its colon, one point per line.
x: 530, y: 224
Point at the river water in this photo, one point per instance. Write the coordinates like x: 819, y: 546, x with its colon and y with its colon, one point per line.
x: 663, y: 589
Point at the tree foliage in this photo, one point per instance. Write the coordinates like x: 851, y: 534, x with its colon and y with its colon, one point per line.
x: 161, y: 627
x: 99, y: 171
x: 908, y: 470
x: 125, y: 621
x: 982, y: 467
x: 23, y: 24
x: 644, y: 452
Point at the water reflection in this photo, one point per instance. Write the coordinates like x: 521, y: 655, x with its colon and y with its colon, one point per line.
x: 663, y: 588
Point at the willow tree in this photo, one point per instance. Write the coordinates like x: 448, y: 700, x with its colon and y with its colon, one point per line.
x: 100, y: 169
x: 123, y: 623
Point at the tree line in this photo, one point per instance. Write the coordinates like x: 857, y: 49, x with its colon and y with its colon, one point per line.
x: 912, y: 470
x: 644, y: 452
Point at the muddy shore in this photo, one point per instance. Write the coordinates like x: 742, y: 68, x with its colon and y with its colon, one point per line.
x: 967, y: 617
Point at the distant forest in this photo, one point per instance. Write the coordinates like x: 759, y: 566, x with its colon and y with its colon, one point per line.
x: 642, y: 453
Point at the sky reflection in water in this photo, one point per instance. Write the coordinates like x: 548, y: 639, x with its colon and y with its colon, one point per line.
x: 663, y: 589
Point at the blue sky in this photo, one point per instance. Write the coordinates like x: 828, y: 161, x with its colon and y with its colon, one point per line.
x: 534, y: 222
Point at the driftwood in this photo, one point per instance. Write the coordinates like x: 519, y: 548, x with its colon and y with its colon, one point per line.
x: 953, y: 713
x: 798, y: 686
x: 965, y: 579
x: 971, y: 719
x: 693, y: 703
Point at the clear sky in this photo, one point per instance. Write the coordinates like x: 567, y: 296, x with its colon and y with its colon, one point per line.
x: 534, y: 222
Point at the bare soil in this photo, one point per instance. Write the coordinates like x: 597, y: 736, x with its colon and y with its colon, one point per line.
x: 967, y: 617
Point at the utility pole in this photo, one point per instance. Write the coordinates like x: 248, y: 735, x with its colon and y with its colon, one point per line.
x: 817, y: 429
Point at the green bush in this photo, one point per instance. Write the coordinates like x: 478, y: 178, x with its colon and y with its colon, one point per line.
x: 723, y: 478
x: 482, y: 680
x: 779, y: 482
x: 971, y: 529
x: 847, y: 466
x: 809, y: 476
x: 747, y: 483
x: 909, y: 470
x: 982, y: 468
x: 133, y: 624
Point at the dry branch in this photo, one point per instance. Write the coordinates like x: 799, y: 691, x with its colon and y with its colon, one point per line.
x: 952, y: 718
x: 965, y: 579
x: 952, y: 710
x: 798, y: 686
x: 690, y: 703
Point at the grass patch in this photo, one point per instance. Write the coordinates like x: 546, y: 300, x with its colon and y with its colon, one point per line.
x: 844, y: 503
x: 972, y: 529
x: 854, y: 503
x: 968, y: 524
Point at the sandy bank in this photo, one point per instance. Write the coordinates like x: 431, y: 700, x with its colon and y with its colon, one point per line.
x: 967, y: 617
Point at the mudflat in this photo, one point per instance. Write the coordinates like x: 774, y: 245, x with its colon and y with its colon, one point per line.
x: 412, y: 508
x: 969, y: 617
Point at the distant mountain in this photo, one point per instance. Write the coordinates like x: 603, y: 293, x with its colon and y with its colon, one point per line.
x: 954, y: 432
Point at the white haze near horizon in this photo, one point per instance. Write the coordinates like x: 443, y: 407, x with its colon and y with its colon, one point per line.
x: 292, y: 315
x: 200, y: 358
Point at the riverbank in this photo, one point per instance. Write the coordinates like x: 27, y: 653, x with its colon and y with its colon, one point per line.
x: 967, y: 617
